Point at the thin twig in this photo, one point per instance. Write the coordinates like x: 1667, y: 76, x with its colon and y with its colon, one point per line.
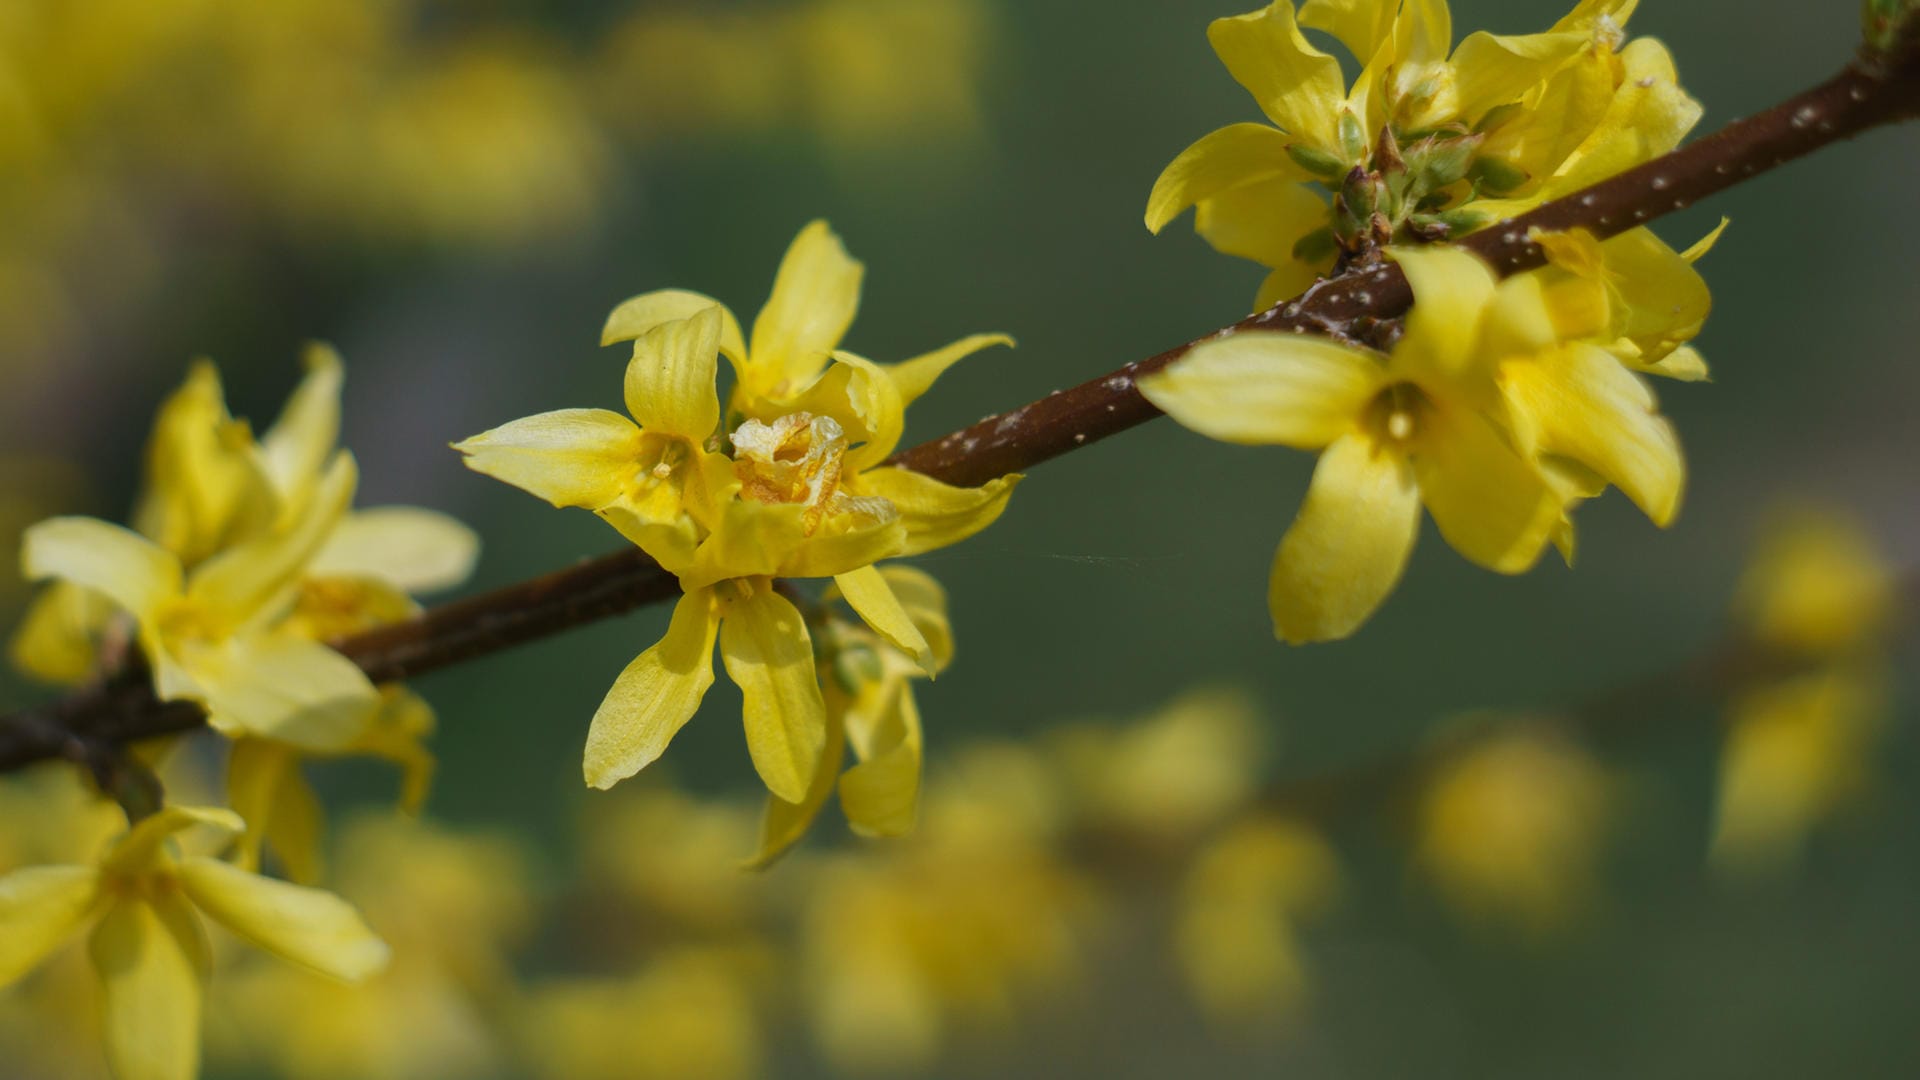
x: 1869, y: 93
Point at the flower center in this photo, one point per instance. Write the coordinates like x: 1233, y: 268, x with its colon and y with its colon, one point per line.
x: 1396, y: 414
x: 798, y: 459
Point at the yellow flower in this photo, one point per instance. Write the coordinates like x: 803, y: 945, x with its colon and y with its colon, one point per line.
x: 211, y: 635
x: 148, y: 945
x: 866, y: 686
x: 1168, y: 776
x: 1458, y: 417
x: 687, y: 1014
x: 1511, y: 829
x: 1818, y: 586
x: 1422, y: 144
x: 1239, y: 909
x: 799, y: 497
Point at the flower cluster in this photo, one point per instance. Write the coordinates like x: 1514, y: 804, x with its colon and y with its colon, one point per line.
x: 1423, y: 145
x: 1500, y: 407
x: 244, y: 561
x: 793, y: 484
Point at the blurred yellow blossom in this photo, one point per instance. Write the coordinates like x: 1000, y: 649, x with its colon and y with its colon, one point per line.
x: 1510, y: 829
x: 672, y: 860
x: 686, y: 1015
x: 1421, y: 145
x: 1800, y: 750
x: 1170, y: 774
x: 1239, y: 908
x: 148, y: 945
x: 962, y: 929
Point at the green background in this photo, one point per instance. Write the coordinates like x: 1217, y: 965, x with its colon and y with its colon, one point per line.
x: 1136, y: 568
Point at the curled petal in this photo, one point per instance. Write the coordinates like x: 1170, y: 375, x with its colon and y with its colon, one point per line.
x: 240, y: 581
x: 648, y: 310
x: 784, y: 823
x: 1581, y: 403
x: 1261, y: 221
x: 1451, y: 290
x: 936, y: 515
x: 881, y: 795
x: 1295, y: 84
x: 670, y: 380
x: 296, y: 448
x: 867, y: 592
x: 1491, y: 504
x: 1236, y: 156
x: 915, y: 377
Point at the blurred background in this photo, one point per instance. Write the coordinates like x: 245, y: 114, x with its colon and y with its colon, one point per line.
x: 455, y: 194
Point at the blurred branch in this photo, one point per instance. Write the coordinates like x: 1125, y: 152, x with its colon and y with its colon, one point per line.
x: 1881, y: 87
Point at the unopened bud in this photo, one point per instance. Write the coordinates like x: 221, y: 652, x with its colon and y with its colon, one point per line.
x: 1316, y: 161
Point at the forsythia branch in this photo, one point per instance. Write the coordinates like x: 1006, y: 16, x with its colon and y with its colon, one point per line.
x: 1877, y: 89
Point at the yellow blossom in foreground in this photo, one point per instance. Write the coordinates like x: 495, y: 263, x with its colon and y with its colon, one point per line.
x: 1511, y: 830
x: 1482, y: 409
x: 1240, y: 905
x: 866, y: 685
x: 1422, y: 144
x: 148, y: 945
x: 799, y: 497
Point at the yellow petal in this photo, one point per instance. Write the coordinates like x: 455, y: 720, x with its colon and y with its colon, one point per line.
x: 287, y: 688
x: 240, y: 581
x: 1492, y: 70
x: 266, y: 787
x: 1451, y: 290
x: 1233, y: 157
x: 570, y: 457
x: 205, y: 483
x: 1261, y: 221
x: 1684, y: 364
x: 815, y: 295
x: 937, y: 515
x: 1347, y: 548
x: 41, y: 908
x: 926, y: 604
x: 768, y: 654
x: 138, y: 850
x: 151, y: 958
x: 296, y: 448
x: 862, y: 397
x: 783, y: 823
x: 828, y: 554
x: 655, y: 696
x: 116, y: 562
x: 1581, y: 403
x: 415, y: 550
x: 1290, y: 280
x: 648, y: 310
x: 309, y: 927
x: 881, y: 796
x: 1259, y: 388
x: 1663, y: 301
x: 1360, y: 25
x: 670, y: 380
x: 1296, y: 85
x: 1492, y: 505
x: 867, y: 592
x: 57, y: 638
x: 1706, y: 243
x: 1649, y: 116
x: 915, y: 377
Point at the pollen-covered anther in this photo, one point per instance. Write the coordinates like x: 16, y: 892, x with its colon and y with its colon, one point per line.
x: 797, y: 459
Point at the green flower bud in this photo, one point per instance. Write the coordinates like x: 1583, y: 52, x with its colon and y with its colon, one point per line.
x: 1316, y: 161
x: 1497, y: 177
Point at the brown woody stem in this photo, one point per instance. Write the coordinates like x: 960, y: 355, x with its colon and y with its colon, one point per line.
x: 1873, y: 91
